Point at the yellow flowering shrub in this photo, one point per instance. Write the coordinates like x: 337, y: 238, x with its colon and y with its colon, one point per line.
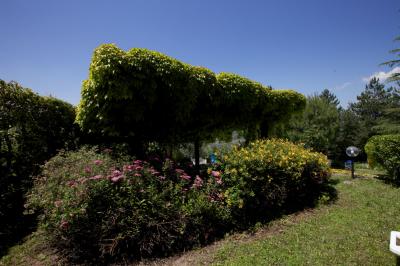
x: 268, y: 176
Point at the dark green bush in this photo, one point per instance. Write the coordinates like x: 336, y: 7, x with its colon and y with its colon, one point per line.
x: 270, y: 176
x: 32, y: 129
x: 384, y: 151
x: 99, y: 207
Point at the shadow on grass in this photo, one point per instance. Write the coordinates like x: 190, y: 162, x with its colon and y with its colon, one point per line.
x: 15, y: 230
x: 327, y: 194
x: 389, y: 180
x: 322, y: 194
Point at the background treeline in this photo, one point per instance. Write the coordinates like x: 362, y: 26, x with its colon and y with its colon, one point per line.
x: 327, y: 127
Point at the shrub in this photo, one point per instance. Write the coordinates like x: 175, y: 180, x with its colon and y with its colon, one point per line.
x: 97, y: 206
x: 384, y: 151
x: 270, y: 176
x: 32, y: 129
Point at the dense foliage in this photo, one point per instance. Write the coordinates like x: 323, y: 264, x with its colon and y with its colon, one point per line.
x: 147, y: 96
x: 98, y: 206
x: 317, y: 127
x: 32, y: 129
x: 376, y: 109
x: 107, y: 208
x: 384, y: 151
x: 271, y: 175
x: 389, y: 122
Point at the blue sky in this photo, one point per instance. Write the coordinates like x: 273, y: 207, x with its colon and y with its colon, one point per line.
x: 306, y: 45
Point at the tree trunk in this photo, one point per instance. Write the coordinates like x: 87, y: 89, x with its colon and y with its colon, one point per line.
x: 197, y: 154
x: 9, y: 152
x: 264, y: 130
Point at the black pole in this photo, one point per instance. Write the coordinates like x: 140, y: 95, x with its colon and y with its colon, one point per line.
x: 352, y: 169
x: 197, y: 154
x: 397, y: 260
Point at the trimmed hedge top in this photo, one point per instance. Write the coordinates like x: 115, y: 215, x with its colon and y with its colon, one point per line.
x: 152, y: 96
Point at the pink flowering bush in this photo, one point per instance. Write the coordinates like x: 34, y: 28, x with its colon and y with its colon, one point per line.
x: 97, y: 207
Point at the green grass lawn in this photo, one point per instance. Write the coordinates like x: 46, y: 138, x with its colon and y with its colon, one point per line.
x: 354, y: 230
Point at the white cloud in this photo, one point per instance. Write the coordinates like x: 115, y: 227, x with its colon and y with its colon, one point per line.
x: 382, y: 75
x: 343, y: 86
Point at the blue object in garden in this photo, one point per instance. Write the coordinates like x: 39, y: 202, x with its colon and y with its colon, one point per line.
x: 347, y: 164
x: 213, y: 158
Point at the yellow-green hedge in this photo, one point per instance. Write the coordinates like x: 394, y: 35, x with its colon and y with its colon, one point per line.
x: 151, y: 96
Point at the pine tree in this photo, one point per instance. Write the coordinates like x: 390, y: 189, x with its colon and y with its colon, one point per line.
x: 390, y: 122
x: 329, y: 97
x: 395, y: 62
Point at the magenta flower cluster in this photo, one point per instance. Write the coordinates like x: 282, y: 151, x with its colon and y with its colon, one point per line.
x: 141, y: 169
x: 217, y: 176
x: 136, y: 169
x: 198, y: 182
x: 116, y: 176
x: 183, y: 175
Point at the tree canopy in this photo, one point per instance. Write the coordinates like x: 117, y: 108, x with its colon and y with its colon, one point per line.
x: 149, y: 96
